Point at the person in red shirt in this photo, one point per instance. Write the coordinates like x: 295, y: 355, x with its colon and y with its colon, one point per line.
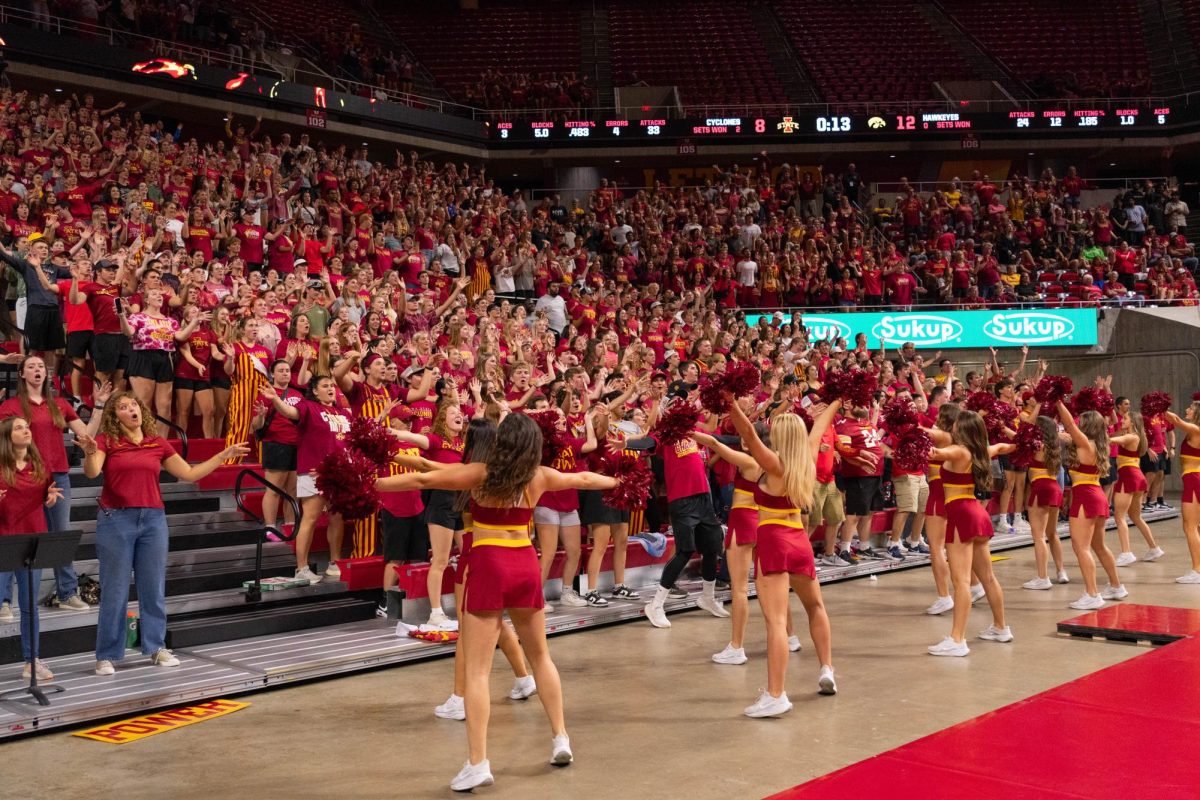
x: 252, y: 238
x: 859, y: 445
x: 109, y: 347
x: 280, y: 440
x: 131, y: 528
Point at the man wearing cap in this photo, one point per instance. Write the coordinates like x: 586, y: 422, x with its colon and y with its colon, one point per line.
x: 109, y: 347
x: 43, y: 319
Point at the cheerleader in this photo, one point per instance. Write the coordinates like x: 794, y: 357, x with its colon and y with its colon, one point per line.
x: 1189, y: 468
x: 502, y: 575
x: 1130, y: 488
x: 1088, y: 463
x: 784, y: 554
x: 604, y: 522
x: 246, y: 363
x: 965, y: 473
x: 1045, y: 499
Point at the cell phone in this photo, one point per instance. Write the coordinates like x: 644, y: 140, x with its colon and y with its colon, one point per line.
x: 119, y: 305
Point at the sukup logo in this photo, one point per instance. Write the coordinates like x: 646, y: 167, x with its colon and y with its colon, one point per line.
x: 923, y: 330
x: 822, y: 328
x: 1029, y: 327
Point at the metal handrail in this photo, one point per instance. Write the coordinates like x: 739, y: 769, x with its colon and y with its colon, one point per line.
x: 183, y: 437
x: 1100, y: 303
x: 254, y: 593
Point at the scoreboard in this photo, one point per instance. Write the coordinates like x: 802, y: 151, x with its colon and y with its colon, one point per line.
x: 1132, y: 120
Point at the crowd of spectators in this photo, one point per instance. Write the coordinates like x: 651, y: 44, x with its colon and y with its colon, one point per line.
x: 499, y: 89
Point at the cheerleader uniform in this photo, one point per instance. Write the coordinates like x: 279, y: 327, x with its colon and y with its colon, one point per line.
x: 743, y: 516
x: 782, y: 545
x: 502, y: 572
x: 1086, y: 494
x: 1130, y: 478
x: 1044, y: 491
x: 935, y: 505
x: 1189, y: 463
x: 966, y: 518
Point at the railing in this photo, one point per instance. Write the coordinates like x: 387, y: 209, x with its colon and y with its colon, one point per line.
x: 254, y: 593
x: 178, y: 431
x: 893, y: 187
x: 1039, y: 303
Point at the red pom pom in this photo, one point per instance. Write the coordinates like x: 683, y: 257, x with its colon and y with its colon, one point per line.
x: 1029, y: 442
x: 857, y: 387
x: 1090, y: 398
x: 981, y: 402
x: 370, y: 438
x: 739, y: 379
x: 554, y: 439
x: 1155, y: 403
x: 899, y: 415
x: 346, y: 479
x: 1196, y: 397
x: 911, y: 452
x: 1052, y: 388
x: 802, y: 412
x: 635, y: 478
x: 676, y: 423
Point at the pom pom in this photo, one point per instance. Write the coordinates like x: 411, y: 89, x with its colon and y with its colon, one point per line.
x: 739, y: 379
x: 899, y: 415
x: 635, y: 478
x: 676, y: 423
x: 981, y: 402
x: 856, y: 387
x: 1029, y: 442
x: 370, y: 438
x: 346, y: 479
x: 995, y: 413
x: 805, y: 417
x: 554, y: 439
x: 1052, y: 388
x: 1196, y: 397
x: 911, y: 452
x: 1090, y: 398
x: 1155, y: 403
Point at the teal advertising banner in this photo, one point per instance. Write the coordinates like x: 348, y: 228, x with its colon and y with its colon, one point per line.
x: 1059, y: 327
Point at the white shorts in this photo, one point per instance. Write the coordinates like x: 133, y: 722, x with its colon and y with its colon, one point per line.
x: 306, y: 486
x: 22, y: 308
x: 549, y: 516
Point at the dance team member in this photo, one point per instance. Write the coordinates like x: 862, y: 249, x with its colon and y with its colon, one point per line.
x: 1130, y: 488
x: 1044, y: 500
x: 1189, y: 469
x: 604, y: 522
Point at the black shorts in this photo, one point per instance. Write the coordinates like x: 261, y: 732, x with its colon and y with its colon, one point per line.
x: 1156, y: 463
x: 192, y: 384
x: 594, y: 511
x: 863, y: 495
x: 44, y: 328
x: 404, y: 538
x: 221, y: 381
x: 110, y: 352
x: 79, y: 344
x: 441, y: 508
x: 279, y: 457
x: 694, y: 524
x: 1111, y: 477
x: 1007, y: 465
x: 153, y: 365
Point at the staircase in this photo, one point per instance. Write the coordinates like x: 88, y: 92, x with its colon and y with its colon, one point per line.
x: 595, y: 56
x: 798, y: 85
x: 1172, y: 54
x: 983, y: 66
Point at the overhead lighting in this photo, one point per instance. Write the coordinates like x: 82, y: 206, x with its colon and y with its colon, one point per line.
x: 616, y: 161
x: 58, y: 89
x: 893, y: 155
x: 1112, y: 163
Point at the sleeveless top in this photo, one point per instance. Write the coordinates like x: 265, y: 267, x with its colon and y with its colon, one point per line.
x: 1189, y: 458
x: 935, y: 472
x: 1038, y: 472
x: 500, y: 523
x: 1127, y: 458
x: 777, y: 505
x: 743, y: 490
x: 1085, y: 475
x: 957, y: 485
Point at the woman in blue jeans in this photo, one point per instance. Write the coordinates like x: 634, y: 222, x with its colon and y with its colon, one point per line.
x: 131, y: 525
x: 26, y: 488
x: 48, y: 417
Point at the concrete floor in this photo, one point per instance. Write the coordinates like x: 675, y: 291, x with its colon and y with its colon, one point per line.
x: 650, y: 715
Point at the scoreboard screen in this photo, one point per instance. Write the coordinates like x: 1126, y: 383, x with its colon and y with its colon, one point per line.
x: 1134, y: 120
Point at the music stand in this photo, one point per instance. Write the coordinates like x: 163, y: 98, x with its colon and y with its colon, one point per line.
x: 30, y: 552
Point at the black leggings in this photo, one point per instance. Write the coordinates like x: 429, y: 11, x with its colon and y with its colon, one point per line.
x: 674, y: 568
x: 695, y: 527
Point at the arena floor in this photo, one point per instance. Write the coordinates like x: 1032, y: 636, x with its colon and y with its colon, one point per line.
x: 649, y: 714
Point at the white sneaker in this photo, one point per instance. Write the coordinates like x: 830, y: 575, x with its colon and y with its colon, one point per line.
x: 949, y: 647
x: 561, y: 755
x: 794, y: 644
x: 712, y: 605
x: 657, y: 615
x: 164, y: 658
x: 825, y: 682
x: 454, y: 708
x: 1037, y: 584
x: 333, y: 571
x: 74, y: 603
x: 1114, y: 592
x: 994, y: 634
x: 1153, y: 554
x: 439, y: 621
x: 731, y: 655
x: 977, y: 593
x: 523, y: 688
x: 6, y: 612
x: 43, y: 672
x: 1191, y: 577
x: 306, y: 574
x: 1125, y: 559
x: 940, y: 606
x: 1088, y: 602
x: 572, y: 598
x: 472, y: 775
x: 832, y: 561
x: 1062, y: 577
x: 767, y: 706
x: 105, y: 668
